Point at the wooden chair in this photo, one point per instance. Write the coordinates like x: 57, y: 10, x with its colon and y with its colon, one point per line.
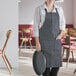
x: 26, y: 38
x: 2, y: 52
x: 70, y: 46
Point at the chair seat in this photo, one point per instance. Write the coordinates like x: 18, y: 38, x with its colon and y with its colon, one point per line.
x: 73, y: 47
x: 25, y: 39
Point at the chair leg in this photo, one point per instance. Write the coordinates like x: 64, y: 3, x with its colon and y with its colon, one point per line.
x: 21, y: 47
x: 30, y: 44
x: 72, y: 55
x: 68, y: 58
x: 63, y: 50
x: 21, y: 43
x: 7, y: 64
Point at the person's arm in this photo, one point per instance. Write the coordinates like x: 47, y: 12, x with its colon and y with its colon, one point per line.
x: 36, y: 28
x: 38, y: 46
x: 62, y: 24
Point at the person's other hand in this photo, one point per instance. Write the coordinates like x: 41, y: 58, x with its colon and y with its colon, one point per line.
x: 38, y: 47
x: 59, y: 37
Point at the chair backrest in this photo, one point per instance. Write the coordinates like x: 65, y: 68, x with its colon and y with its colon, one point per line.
x: 72, y: 32
x: 7, y: 37
x: 27, y: 32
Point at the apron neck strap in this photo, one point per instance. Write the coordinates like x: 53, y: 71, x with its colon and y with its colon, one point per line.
x: 51, y: 12
x: 45, y: 10
x: 56, y: 10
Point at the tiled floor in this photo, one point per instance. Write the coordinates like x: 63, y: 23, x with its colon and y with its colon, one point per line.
x: 25, y: 66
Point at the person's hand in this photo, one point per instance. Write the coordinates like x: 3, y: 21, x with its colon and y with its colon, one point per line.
x: 38, y: 47
x: 59, y: 37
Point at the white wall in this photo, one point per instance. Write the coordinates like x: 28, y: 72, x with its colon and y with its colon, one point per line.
x: 74, y: 14
x: 67, y: 6
x: 9, y: 20
x: 27, y: 8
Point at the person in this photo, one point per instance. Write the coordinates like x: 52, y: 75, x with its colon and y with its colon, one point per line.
x: 49, y: 27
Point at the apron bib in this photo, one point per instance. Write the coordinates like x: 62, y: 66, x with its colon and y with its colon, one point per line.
x: 47, y: 36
